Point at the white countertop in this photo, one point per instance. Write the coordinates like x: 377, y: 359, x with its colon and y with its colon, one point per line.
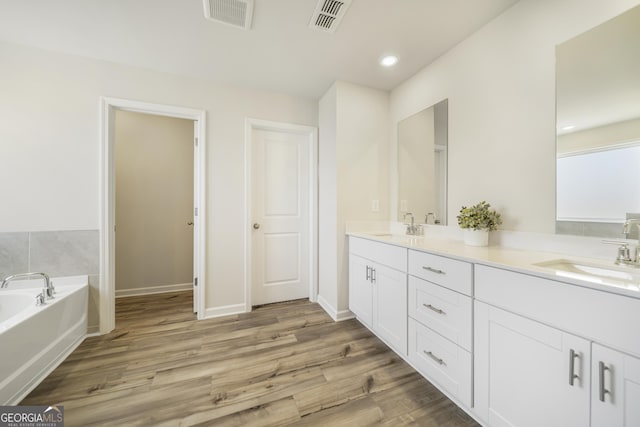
x: 517, y: 260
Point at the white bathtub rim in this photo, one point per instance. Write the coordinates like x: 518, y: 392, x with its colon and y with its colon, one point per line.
x: 78, y: 328
x: 66, y: 286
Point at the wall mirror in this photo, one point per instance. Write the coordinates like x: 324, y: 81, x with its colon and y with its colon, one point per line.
x: 598, y: 129
x: 422, y: 165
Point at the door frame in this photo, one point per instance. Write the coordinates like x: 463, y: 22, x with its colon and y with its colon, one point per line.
x: 311, y: 132
x: 108, y: 108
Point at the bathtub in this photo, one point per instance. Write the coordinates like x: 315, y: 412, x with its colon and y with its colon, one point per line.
x: 34, y: 340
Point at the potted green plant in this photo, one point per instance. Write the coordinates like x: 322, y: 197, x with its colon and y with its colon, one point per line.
x: 476, y: 221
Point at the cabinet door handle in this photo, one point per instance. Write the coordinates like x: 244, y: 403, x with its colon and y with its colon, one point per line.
x: 373, y: 275
x: 601, y: 368
x: 432, y: 308
x: 432, y: 356
x: 368, y: 273
x: 433, y: 270
x: 572, y: 366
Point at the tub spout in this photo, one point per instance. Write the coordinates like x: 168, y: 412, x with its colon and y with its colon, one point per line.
x: 49, y: 290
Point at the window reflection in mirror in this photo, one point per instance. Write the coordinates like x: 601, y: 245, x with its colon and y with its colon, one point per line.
x: 598, y: 128
x: 422, y: 165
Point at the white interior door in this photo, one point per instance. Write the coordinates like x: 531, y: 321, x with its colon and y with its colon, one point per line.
x: 280, y: 182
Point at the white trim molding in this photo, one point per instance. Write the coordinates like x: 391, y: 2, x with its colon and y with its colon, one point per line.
x: 312, y: 134
x: 224, y: 310
x: 336, y: 315
x: 108, y: 107
x: 150, y: 290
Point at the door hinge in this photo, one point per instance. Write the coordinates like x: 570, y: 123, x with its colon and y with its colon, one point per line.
x: 195, y: 281
x: 195, y: 211
x: 196, y: 140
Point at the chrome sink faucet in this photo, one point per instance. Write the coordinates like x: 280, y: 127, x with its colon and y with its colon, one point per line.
x: 624, y: 256
x: 48, y: 290
x: 412, y: 228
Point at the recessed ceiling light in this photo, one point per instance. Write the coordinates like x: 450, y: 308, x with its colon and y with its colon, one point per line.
x: 389, y: 61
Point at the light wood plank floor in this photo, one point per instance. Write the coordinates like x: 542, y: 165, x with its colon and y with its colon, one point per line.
x: 282, y: 364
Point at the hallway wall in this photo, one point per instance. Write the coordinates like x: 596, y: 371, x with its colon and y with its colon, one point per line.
x: 154, y: 202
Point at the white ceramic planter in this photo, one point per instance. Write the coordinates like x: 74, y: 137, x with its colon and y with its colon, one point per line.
x: 476, y: 237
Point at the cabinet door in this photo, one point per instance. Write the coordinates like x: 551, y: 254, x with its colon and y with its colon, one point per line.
x: 390, y: 306
x: 615, y: 388
x: 360, y: 289
x: 527, y: 373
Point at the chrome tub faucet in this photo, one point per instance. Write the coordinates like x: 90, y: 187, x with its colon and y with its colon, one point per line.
x: 48, y: 290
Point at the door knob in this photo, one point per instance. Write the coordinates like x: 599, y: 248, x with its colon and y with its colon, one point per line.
x: 190, y: 223
x: 256, y: 226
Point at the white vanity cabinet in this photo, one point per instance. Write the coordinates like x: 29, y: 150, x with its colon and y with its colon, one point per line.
x: 527, y: 373
x: 440, y: 321
x: 543, y: 353
x: 378, y: 289
x: 615, y: 388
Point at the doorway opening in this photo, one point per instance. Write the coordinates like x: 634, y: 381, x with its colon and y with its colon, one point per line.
x: 110, y: 108
x: 154, y: 204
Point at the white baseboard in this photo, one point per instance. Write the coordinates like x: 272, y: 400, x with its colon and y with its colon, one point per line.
x: 224, y: 310
x: 336, y: 315
x: 93, y: 331
x: 153, y: 290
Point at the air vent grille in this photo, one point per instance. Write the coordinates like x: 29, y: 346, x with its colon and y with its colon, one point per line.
x: 237, y: 13
x: 328, y: 14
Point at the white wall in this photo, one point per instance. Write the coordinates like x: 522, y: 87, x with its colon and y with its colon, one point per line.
x: 49, y: 135
x: 327, y: 199
x: 500, y: 83
x: 354, y: 171
x: 154, y: 202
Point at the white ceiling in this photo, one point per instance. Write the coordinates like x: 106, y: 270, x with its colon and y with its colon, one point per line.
x: 279, y: 53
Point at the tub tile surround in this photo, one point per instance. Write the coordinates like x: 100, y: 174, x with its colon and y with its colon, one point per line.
x: 57, y: 253
x: 14, y: 253
x: 65, y: 253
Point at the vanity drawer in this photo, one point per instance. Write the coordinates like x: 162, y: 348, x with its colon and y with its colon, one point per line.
x: 382, y: 253
x: 445, y: 311
x: 441, y: 361
x: 447, y: 272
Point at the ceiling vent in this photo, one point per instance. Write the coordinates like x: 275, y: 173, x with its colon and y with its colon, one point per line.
x: 237, y: 13
x: 328, y: 15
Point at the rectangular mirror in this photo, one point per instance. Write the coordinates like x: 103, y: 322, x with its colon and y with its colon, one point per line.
x: 598, y: 129
x: 422, y: 165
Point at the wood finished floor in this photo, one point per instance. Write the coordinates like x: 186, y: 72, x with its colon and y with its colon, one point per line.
x: 282, y: 364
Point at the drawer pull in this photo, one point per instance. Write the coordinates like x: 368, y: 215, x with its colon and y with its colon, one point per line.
x: 432, y: 356
x: 572, y: 362
x: 602, y: 367
x: 433, y: 270
x: 432, y: 308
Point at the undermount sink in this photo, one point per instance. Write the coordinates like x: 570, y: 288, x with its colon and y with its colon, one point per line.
x: 612, y: 275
